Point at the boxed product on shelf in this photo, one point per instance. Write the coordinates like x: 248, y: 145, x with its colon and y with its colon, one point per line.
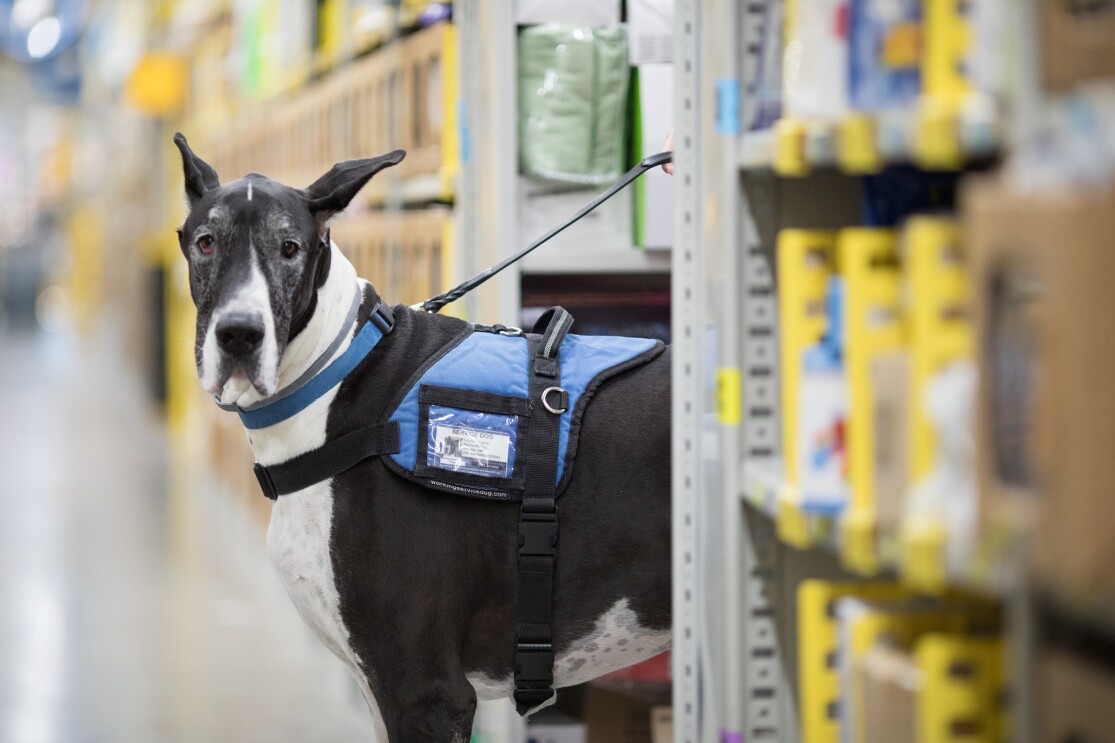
x: 1010, y: 241
x: 572, y: 83
x: 1076, y: 42
x: 662, y: 724
x: 1075, y: 404
x: 622, y: 712
x: 1076, y: 698
x: 584, y: 12
x: 650, y: 26
x: 865, y: 626
x: 890, y: 678
x: 819, y: 692
x: 654, y: 191
x: 867, y: 259
x: 815, y: 64
x: 1047, y: 411
x: 805, y: 264
x: 542, y: 206
x: 942, y: 379
x: 885, y: 40
x: 957, y: 657
x: 766, y: 73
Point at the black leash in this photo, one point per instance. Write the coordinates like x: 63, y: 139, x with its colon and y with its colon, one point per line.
x: 434, y: 304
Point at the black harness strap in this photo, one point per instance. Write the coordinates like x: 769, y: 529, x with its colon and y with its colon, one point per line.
x: 538, y: 524
x: 331, y: 458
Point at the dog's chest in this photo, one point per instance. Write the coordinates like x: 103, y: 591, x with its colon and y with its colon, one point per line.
x: 298, y: 544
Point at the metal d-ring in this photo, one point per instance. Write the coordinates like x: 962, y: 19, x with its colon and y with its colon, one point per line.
x: 546, y: 403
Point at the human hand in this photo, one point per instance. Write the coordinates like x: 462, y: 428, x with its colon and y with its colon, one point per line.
x: 669, y: 147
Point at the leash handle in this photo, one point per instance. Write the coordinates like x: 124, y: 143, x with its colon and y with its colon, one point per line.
x: 434, y: 304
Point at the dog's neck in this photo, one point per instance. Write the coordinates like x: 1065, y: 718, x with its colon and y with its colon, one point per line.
x: 306, y: 430
x: 331, y: 311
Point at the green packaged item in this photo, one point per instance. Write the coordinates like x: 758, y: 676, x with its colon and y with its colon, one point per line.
x: 572, y: 101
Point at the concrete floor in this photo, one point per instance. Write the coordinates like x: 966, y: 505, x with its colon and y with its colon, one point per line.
x: 131, y: 610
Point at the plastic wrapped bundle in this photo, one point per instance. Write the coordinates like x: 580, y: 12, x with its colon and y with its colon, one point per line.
x: 572, y: 98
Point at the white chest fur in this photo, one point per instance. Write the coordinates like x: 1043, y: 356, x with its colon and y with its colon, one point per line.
x: 298, y: 538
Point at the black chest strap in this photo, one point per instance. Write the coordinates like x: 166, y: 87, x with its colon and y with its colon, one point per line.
x: 332, y: 458
x: 538, y: 524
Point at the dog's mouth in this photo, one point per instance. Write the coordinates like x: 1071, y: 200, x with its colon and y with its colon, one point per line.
x: 240, y: 389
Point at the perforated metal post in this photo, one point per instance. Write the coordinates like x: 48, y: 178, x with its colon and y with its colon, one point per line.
x: 688, y: 332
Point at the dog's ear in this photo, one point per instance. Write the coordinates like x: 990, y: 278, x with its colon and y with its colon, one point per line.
x: 200, y: 176
x: 333, y: 191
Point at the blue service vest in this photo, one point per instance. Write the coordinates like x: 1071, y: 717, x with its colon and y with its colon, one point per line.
x: 463, y: 421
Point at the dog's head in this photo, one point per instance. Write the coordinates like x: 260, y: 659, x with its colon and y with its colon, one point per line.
x: 258, y: 253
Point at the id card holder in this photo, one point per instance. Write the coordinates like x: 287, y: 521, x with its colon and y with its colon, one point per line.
x: 471, y: 438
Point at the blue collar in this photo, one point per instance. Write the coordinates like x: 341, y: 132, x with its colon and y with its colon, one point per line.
x: 317, y: 381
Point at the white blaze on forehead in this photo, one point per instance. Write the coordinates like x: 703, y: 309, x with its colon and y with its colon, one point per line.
x: 249, y: 190
x: 252, y: 297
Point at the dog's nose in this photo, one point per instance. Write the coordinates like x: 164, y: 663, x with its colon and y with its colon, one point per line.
x: 240, y: 334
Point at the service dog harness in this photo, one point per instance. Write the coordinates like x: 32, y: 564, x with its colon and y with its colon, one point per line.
x: 495, y: 414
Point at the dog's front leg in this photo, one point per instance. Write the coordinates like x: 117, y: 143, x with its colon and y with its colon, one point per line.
x: 421, y: 704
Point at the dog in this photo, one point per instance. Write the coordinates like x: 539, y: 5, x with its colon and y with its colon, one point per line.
x: 416, y: 590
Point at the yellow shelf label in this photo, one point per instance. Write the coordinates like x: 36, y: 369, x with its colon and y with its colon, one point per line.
x: 729, y: 402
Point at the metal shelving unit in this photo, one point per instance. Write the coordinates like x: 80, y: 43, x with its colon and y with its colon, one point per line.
x: 735, y: 614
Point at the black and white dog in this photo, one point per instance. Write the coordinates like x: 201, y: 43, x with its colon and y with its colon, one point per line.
x: 413, y: 589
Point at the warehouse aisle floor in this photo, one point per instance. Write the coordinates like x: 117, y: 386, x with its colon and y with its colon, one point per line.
x: 131, y: 610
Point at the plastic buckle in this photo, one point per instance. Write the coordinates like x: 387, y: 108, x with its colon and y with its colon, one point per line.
x: 265, y: 482
x: 538, y: 534
x: 534, y: 663
x: 382, y: 317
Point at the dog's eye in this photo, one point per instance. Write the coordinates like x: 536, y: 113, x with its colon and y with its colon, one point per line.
x: 205, y: 244
x: 289, y: 249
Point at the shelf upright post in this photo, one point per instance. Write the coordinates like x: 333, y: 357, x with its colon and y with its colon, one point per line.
x: 688, y: 324
x: 489, y: 155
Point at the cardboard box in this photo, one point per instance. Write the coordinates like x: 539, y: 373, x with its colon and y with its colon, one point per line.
x: 620, y: 712
x: 890, y: 680
x: 1047, y: 355
x: 1007, y: 253
x: 1076, y: 700
x: 1076, y: 40
x: 662, y: 724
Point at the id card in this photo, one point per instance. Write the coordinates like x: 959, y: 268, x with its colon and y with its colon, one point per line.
x: 472, y: 442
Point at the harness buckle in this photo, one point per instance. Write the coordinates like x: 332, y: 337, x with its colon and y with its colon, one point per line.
x: 534, y: 663
x: 266, y: 484
x: 538, y: 534
x: 382, y: 317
